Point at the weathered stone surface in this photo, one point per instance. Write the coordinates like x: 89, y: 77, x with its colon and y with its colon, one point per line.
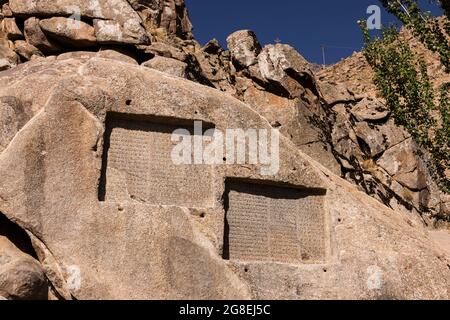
x: 26, y: 50
x: 445, y: 205
x: 21, y: 276
x: 442, y: 238
x: 36, y: 37
x: 165, y: 50
x: 402, y: 163
x: 282, y: 66
x: 134, y: 248
x: 400, y: 158
x: 334, y: 93
x: 394, y: 134
x: 168, y: 65
x: 69, y: 31
x: 213, y: 47
x: 111, y: 32
x: 8, y: 58
x: 373, y: 139
x: 244, y: 48
x: 294, y: 119
x: 10, y: 29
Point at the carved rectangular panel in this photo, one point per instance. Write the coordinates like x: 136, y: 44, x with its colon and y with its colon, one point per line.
x: 271, y: 223
x: 139, y: 166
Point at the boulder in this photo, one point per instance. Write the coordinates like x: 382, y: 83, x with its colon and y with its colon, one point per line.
x: 8, y: 58
x: 168, y: 65
x: 69, y: 31
x: 165, y: 50
x: 10, y: 29
x: 6, y: 10
x: 115, y: 20
x: 400, y: 159
x: 37, y: 38
x: 213, y: 47
x: 373, y: 139
x: 370, y: 110
x: 21, y: 276
x: 282, y: 66
x: 244, y: 48
x: 26, y: 50
x: 105, y: 144
x: 335, y: 93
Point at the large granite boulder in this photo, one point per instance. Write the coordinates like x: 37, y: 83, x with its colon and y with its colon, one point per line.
x: 89, y: 176
x: 21, y: 276
x: 170, y: 16
x: 244, y: 47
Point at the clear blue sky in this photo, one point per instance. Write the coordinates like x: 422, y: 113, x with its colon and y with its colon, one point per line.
x: 303, y: 24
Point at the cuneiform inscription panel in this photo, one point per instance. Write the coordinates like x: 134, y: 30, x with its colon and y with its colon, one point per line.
x: 271, y: 223
x: 140, y: 167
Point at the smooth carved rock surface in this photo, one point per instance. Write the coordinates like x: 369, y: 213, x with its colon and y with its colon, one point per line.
x: 132, y: 248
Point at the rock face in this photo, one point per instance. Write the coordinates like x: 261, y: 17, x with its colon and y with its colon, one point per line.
x: 55, y: 27
x: 352, y: 246
x: 97, y: 124
x: 169, y: 17
x: 382, y: 160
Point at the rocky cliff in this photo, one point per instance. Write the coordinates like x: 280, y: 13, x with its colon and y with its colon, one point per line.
x: 88, y: 92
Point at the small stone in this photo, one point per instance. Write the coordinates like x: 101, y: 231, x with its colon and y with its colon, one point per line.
x: 69, y: 31
x: 36, y: 37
